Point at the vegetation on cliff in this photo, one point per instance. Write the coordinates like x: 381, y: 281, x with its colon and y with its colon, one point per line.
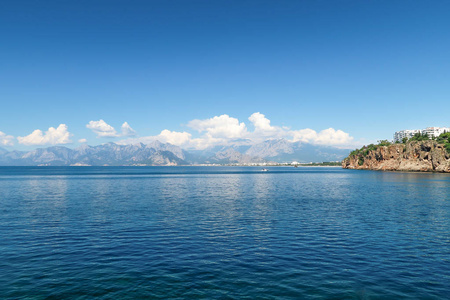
x: 420, y: 153
x: 365, y: 150
x: 444, y: 139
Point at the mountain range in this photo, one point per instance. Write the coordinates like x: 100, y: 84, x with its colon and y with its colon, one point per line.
x: 160, y: 154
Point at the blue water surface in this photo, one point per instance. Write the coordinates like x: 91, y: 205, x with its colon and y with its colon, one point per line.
x: 223, y: 233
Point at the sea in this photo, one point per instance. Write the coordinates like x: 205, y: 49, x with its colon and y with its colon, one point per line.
x: 223, y: 233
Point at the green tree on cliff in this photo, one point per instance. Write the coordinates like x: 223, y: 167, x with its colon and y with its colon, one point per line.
x: 420, y: 137
x: 444, y: 139
x: 384, y: 143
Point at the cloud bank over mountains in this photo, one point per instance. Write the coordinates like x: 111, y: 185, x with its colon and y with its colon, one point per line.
x: 218, y: 130
x: 225, y: 130
x: 6, y: 140
x: 53, y: 136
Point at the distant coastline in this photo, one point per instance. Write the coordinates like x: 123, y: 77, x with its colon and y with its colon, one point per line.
x: 314, y: 165
x: 155, y: 153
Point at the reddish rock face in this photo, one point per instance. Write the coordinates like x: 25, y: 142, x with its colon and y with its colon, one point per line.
x: 426, y: 156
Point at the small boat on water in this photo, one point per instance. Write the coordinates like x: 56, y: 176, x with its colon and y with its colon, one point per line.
x: 264, y: 170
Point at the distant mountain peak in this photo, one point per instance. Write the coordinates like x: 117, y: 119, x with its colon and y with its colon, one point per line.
x: 231, y: 156
x: 157, y: 153
x: 271, y: 148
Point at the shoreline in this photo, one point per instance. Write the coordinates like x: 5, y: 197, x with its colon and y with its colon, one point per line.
x: 171, y: 166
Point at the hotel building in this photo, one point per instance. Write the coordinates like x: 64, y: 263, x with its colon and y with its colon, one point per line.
x: 430, y: 131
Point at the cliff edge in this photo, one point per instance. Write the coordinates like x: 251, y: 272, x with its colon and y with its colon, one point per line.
x: 416, y: 156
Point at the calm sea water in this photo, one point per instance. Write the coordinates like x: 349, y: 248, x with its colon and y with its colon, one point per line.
x: 213, y: 232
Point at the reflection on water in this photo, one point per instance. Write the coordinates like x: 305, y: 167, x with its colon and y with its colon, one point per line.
x: 223, y: 233
x: 43, y: 201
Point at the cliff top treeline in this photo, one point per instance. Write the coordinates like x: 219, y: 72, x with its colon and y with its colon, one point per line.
x: 419, y: 153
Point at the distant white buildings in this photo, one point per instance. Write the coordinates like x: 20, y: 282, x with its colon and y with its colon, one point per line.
x: 400, y: 135
x: 435, y: 131
x: 430, y: 131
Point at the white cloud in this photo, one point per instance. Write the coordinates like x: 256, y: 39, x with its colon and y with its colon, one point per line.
x: 225, y: 130
x: 304, y: 135
x: 331, y: 136
x: 102, y: 129
x: 328, y: 136
x: 82, y: 141
x: 6, y: 140
x: 127, y: 130
x: 260, y: 122
x: 52, y: 136
x: 263, y: 129
x: 222, y: 126
x: 173, y: 137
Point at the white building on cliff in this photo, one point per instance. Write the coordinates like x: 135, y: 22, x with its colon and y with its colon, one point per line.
x: 430, y: 131
x: 400, y: 135
x: 435, y: 131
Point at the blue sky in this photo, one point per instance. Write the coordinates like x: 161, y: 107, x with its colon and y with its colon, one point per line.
x: 364, y: 68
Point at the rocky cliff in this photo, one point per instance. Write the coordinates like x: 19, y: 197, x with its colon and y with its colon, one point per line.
x: 425, y: 156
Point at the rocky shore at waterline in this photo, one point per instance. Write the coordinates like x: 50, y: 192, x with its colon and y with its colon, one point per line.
x: 414, y: 156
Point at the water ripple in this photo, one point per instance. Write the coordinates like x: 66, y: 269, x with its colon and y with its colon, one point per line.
x: 127, y: 233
